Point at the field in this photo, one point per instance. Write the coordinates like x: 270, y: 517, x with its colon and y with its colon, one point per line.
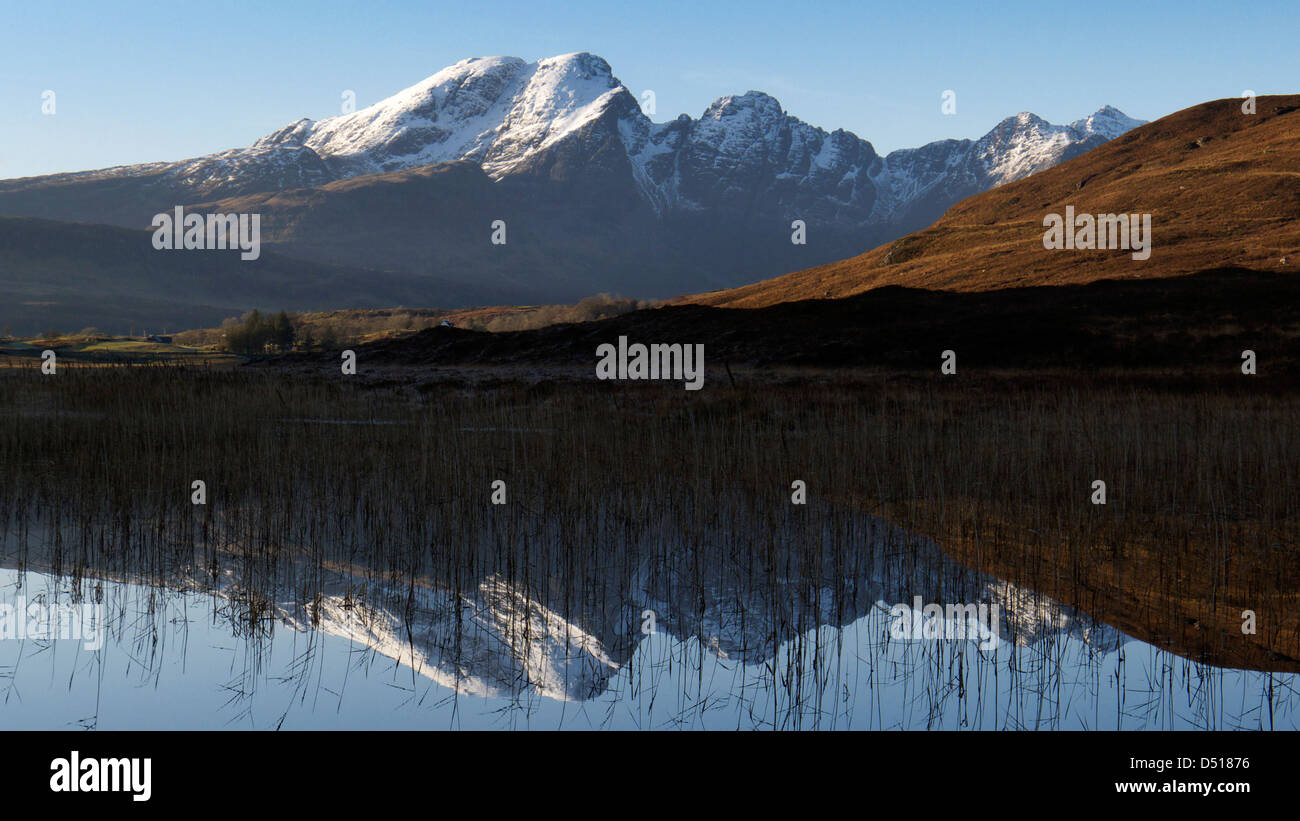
x: 82, y: 351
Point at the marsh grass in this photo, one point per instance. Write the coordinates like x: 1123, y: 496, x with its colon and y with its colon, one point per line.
x: 612, y: 488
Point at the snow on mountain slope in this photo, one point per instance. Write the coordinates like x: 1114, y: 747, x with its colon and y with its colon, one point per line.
x: 496, y: 111
x: 747, y: 144
x: 1107, y: 121
x: 745, y: 159
x: 949, y: 170
x: 1021, y: 145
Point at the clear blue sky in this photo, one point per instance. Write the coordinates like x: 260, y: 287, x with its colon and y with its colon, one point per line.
x: 140, y: 82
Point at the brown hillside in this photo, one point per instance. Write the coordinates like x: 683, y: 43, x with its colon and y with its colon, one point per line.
x: 1222, y: 188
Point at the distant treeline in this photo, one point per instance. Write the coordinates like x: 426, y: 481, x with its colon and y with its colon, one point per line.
x: 259, y: 334
x: 256, y: 332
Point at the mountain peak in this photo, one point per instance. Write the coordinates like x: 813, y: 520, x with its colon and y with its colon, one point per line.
x: 579, y: 61
x: 1025, y: 119
x: 1107, y: 121
x: 758, y: 101
x: 1026, y: 143
x: 496, y: 111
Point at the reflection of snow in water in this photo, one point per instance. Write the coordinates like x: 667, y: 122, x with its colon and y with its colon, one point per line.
x: 174, y: 659
x: 741, y: 620
x: 723, y: 653
x: 488, y: 643
x: 496, y: 640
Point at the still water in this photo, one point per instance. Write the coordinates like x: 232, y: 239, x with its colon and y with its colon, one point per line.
x: 148, y: 657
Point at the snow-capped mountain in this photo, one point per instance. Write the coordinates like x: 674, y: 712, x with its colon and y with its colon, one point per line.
x: 564, y: 145
x: 917, y: 185
x: 501, y: 112
x: 496, y: 111
x: 1108, y: 122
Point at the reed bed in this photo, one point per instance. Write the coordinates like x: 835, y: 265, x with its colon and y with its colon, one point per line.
x: 683, y: 498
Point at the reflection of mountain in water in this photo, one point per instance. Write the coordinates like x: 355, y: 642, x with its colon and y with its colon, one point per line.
x: 497, y: 638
